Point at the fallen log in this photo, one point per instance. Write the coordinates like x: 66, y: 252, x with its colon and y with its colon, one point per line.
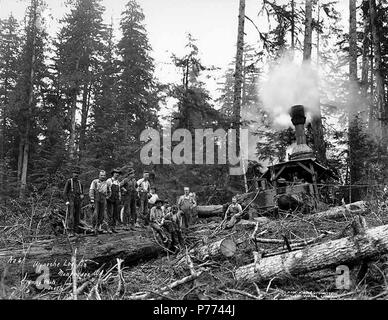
x: 337, y: 213
x: 294, y: 242
x: 92, y: 252
x: 346, y: 211
x: 222, y: 248
x: 332, y: 253
x: 166, y: 289
x: 210, y: 211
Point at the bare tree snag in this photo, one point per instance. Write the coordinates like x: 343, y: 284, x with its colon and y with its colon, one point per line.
x: 380, y: 130
x: 316, y: 123
x: 317, y: 257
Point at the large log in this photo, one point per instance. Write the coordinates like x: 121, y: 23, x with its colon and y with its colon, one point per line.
x: 333, y: 253
x: 221, y: 248
x: 210, y: 211
x: 345, y: 211
x: 95, y: 251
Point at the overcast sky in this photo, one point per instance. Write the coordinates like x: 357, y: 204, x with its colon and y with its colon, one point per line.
x: 212, y: 22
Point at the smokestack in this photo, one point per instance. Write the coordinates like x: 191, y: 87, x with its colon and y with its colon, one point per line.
x: 301, y: 150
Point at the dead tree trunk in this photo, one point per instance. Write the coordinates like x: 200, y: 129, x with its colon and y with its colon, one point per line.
x: 333, y: 253
x: 316, y: 123
x: 381, y: 131
x: 25, y: 149
x: 73, y: 113
x: 307, y: 44
x: 84, y: 118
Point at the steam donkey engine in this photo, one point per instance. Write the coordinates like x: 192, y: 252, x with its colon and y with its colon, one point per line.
x: 299, y: 183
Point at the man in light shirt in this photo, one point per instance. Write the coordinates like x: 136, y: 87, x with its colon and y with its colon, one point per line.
x: 152, y: 197
x: 234, y: 212
x: 144, y: 187
x: 98, y: 193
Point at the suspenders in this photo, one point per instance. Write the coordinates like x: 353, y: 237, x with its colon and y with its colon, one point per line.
x: 72, y: 185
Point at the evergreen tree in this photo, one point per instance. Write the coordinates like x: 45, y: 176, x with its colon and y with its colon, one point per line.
x: 10, y: 47
x: 80, y: 47
x: 26, y: 97
x: 137, y: 95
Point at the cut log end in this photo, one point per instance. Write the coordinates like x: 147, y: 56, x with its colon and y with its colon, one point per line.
x: 228, y: 248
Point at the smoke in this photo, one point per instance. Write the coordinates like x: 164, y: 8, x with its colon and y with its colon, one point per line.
x: 289, y: 84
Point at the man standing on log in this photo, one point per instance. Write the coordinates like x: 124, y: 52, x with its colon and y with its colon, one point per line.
x: 235, y: 212
x: 98, y: 193
x: 185, y: 206
x: 144, y: 189
x: 113, y: 199
x: 128, y: 194
x: 73, y: 195
x: 157, y: 219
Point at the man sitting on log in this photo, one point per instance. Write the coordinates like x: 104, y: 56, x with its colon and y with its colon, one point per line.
x: 234, y: 212
x: 185, y: 206
x: 97, y: 194
x: 157, y: 219
x: 73, y: 194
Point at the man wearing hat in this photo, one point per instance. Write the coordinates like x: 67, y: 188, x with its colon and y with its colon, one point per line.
x: 157, y: 219
x: 128, y: 195
x: 113, y: 199
x: 97, y: 193
x: 73, y: 195
x: 185, y: 205
x: 144, y: 187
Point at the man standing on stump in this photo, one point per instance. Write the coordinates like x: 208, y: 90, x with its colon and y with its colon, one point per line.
x: 144, y: 187
x: 113, y: 199
x: 73, y: 195
x: 98, y: 193
x: 128, y: 194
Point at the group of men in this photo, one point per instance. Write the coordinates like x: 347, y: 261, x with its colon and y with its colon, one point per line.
x: 114, y: 203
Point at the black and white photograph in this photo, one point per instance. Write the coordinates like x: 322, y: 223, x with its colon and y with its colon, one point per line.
x: 194, y: 154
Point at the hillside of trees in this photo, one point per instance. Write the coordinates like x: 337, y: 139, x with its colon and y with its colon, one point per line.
x: 84, y: 96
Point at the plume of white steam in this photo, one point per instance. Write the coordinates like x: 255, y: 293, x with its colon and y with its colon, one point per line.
x: 289, y: 84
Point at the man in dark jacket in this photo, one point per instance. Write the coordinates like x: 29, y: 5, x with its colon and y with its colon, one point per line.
x: 113, y: 200
x: 128, y: 195
x: 73, y: 195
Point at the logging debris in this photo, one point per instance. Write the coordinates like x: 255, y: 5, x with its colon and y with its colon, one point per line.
x: 203, y: 271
